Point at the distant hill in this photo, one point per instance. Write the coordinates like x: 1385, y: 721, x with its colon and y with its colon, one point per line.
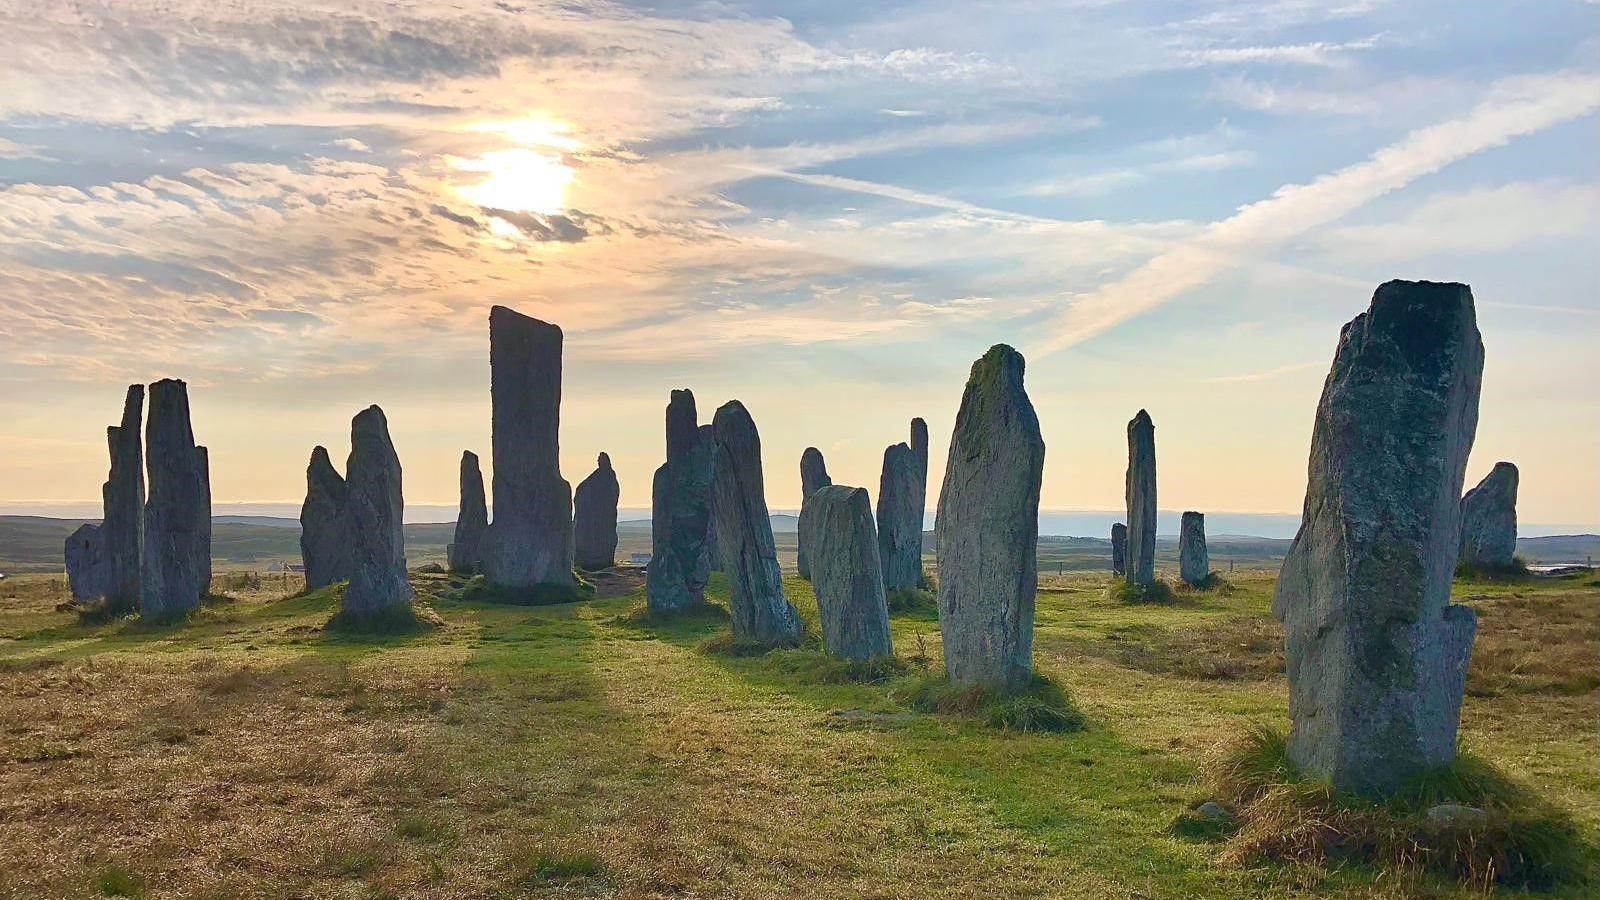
x: 34, y: 544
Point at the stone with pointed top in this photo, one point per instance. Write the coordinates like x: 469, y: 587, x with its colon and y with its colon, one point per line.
x: 899, y: 519
x: 594, y: 517
x: 123, y: 495
x: 324, y: 534
x: 375, y: 517
x: 760, y: 613
x: 1489, y: 520
x: 836, y: 522
x: 813, y: 475
x: 987, y: 528
x: 680, y: 513
x: 1376, y: 653
x: 465, y: 552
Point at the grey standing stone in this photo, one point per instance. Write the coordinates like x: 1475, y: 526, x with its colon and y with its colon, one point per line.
x: 465, y: 552
x: 123, y: 496
x: 680, y: 511
x: 1194, y: 563
x: 713, y: 546
x: 761, y: 615
x: 1489, y: 519
x: 813, y: 475
x: 711, y: 554
x: 87, y: 572
x: 594, y: 517
x: 324, y: 533
x: 376, y: 512
x: 530, y: 542
x: 1141, y: 496
x: 1119, y: 549
x: 177, y: 513
x: 919, y: 446
x: 899, y: 519
x: 836, y: 523
x: 987, y: 528
x: 1377, y: 655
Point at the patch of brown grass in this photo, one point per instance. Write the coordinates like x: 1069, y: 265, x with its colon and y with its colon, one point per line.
x: 1544, y: 643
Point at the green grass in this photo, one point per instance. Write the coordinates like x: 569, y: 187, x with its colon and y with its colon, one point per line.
x: 1125, y: 591
x: 478, y: 590
x: 117, y: 880
x: 1042, y: 706
x: 588, y: 749
x: 918, y: 601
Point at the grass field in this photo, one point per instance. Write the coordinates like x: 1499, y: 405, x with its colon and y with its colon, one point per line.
x: 587, y: 751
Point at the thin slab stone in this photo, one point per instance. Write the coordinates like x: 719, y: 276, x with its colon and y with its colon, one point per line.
x: 177, y: 513
x: 594, y: 517
x: 813, y: 475
x: 1489, y: 520
x: 680, y: 513
x: 836, y: 522
x: 1194, y: 562
x: 761, y: 615
x: 465, y: 553
x: 324, y: 533
x: 1141, y: 498
x: 378, y: 585
x: 1119, y: 549
x: 899, y: 519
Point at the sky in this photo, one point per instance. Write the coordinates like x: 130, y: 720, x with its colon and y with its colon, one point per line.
x: 825, y: 210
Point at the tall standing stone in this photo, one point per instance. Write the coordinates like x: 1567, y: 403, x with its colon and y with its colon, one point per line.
x: 1141, y: 497
x: 324, y: 533
x: 680, y: 511
x: 1194, y: 563
x: 919, y: 446
x: 1377, y: 655
x: 529, y: 544
x: 177, y: 513
x: 899, y: 519
x: 836, y: 523
x: 87, y: 573
x: 594, y: 517
x: 376, y: 512
x: 1119, y: 549
x: 987, y: 528
x: 813, y: 475
x: 122, y: 529
x: 465, y: 552
x: 1489, y: 519
x: 761, y: 614
x: 712, y: 553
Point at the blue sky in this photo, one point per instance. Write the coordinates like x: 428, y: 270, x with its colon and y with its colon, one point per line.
x: 826, y: 210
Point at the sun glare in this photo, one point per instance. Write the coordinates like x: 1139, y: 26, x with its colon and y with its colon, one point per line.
x: 531, y: 177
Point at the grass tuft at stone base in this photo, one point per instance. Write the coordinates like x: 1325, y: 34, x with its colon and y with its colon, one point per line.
x: 1042, y: 706
x: 480, y: 591
x: 1466, y: 821
x: 397, y: 620
x: 1126, y: 591
x: 1468, y: 570
x: 917, y: 602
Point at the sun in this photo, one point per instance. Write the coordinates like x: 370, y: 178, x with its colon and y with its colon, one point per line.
x: 531, y: 176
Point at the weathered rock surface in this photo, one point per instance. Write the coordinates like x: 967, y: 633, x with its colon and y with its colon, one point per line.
x: 324, y: 533
x: 376, y: 511
x: 987, y: 527
x: 899, y: 519
x: 1489, y: 519
x: 87, y: 573
x: 760, y: 613
x: 122, y: 528
x: 836, y: 523
x: 1141, y: 496
x: 177, y: 513
x: 530, y: 542
x: 680, y: 514
x: 713, y: 545
x: 711, y: 555
x: 919, y: 446
x: 1119, y: 549
x: 465, y: 553
x: 1376, y: 654
x: 1194, y: 563
x: 594, y: 517
x: 813, y: 475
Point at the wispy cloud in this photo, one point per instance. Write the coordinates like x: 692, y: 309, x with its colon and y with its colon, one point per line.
x: 1266, y: 374
x: 1512, y: 108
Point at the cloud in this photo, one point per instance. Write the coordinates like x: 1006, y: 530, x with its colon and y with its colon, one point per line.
x: 1474, y: 221
x: 1108, y: 180
x: 1512, y: 108
x: 352, y: 145
x: 1266, y: 374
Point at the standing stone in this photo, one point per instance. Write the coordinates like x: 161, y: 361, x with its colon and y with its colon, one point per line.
x: 1377, y: 655
x: 529, y: 543
x: 1489, y: 519
x: 711, y: 555
x: 813, y: 475
x: 594, y: 517
x: 1194, y: 563
x: 122, y: 529
x: 919, y: 446
x: 836, y: 523
x: 1141, y: 497
x: 713, y: 546
x: 680, y: 511
x: 177, y: 513
x: 987, y: 528
x: 761, y: 614
x: 465, y: 552
x: 899, y: 520
x: 324, y: 534
x: 1119, y: 549
x: 87, y: 572
x: 376, y: 512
